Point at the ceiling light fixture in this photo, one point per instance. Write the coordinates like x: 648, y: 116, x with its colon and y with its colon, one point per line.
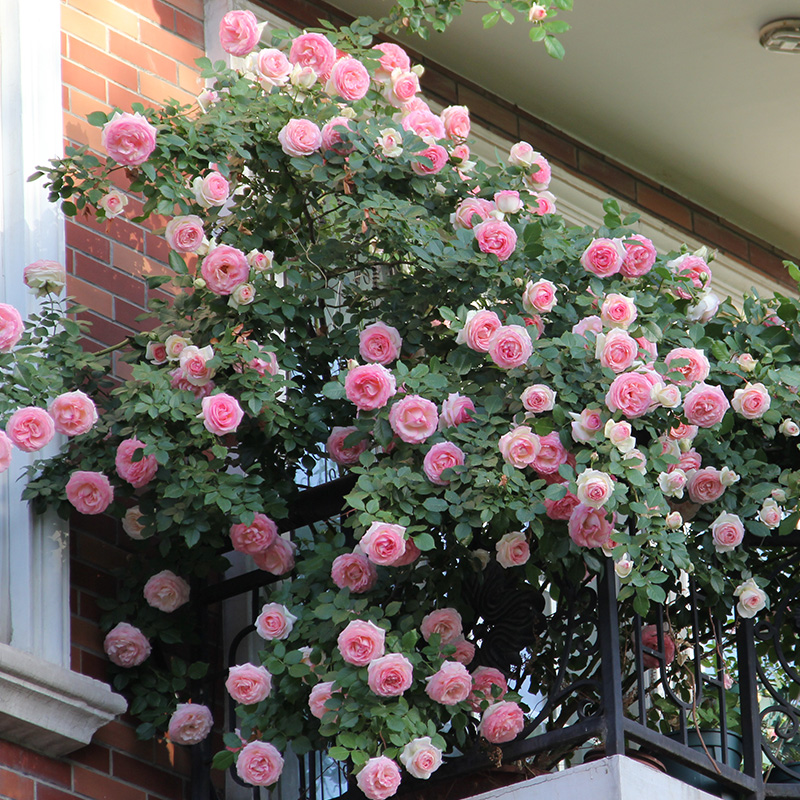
x: 781, y: 36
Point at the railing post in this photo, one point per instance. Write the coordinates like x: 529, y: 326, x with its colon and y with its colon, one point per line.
x: 608, y: 631
x: 748, y: 697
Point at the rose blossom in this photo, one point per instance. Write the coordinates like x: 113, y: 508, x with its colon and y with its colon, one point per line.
x: 552, y: 454
x: 259, y: 764
x: 520, y: 446
x: 274, y: 622
x: 389, y: 675
x: 455, y: 411
x: 478, y: 330
x: 483, y: 679
x: 539, y: 179
x: 789, y: 427
x: 538, y: 398
x: 635, y: 459
x: 224, y: 268
x: 424, y: 123
x: 421, y: 758
x: 89, y: 492
x: 354, y: 572
x: 603, y: 257
x: 190, y: 723
x: 640, y: 256
x: 320, y: 694
x: 315, y: 51
x: 537, y: 12
x: 687, y: 461
x: 695, y: 371
x: 442, y: 456
x: 272, y: 67
x: 620, y: 434
x: 360, y: 642
x: 727, y: 477
x: 238, y: 32
x: 561, y: 509
x: 349, y: 79
x: 113, y: 203
x: 589, y: 527
x: 73, y: 413
x: 451, y: 684
x: 513, y: 550
x: 332, y: 136
x: 585, y: 425
x: 178, y: 381
x: 411, y: 554
x: 650, y: 639
x: 174, y: 346
x: 704, y: 485
x: 300, y: 137
x: 414, y: 418
x: 444, y: 621
x: 751, y: 598
x: 129, y: 139
x: 255, y: 537
x: 278, y: 558
x: 44, y: 277
x: 302, y: 77
x: 436, y: 155
x: 185, y: 234
x: 11, y: 327
x: 705, y: 405
x: 156, y: 352
x: 470, y: 208
x: 674, y: 520
x: 193, y: 367
x: 665, y: 396
x: 539, y: 296
x: 501, y: 722
x: 211, y: 190
x: 746, y: 362
x: 495, y: 236
x: 691, y: 266
x: 591, y: 324
x: 704, y: 309
x: 509, y: 202
x: 727, y: 532
x: 242, y: 295
x: 623, y: 566
x: 456, y: 122
x: 369, y: 386
x: 126, y: 646
x: 594, y: 488
x: 672, y: 483
x: 166, y: 591
x: 131, y: 523
x: 618, y: 311
x: 336, y: 449
x: 510, y: 346
x: 630, y: 394
x: 383, y: 543
x: 616, y: 350
x: 30, y: 428
x: 379, y: 778
x: 392, y: 57
x: 545, y: 203
x: 390, y: 143
x: 221, y: 414
x: 752, y: 401
x: 379, y: 343
x: 260, y: 261
x: 770, y: 514
x: 136, y: 473
x: 248, y: 684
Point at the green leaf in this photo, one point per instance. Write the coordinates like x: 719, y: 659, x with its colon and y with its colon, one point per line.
x: 425, y: 542
x: 177, y: 264
x: 435, y: 504
x: 97, y: 118
x: 222, y: 760
x: 537, y: 34
x: 554, y: 48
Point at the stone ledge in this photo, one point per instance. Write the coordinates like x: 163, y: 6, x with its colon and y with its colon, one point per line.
x: 48, y: 708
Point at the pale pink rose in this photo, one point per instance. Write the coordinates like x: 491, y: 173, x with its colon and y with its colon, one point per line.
x: 190, y: 723
x: 591, y: 324
x: 589, y: 527
x: 303, y: 77
x: 538, y: 398
x: 483, y: 679
x: 450, y: 685
x: 242, y: 295
x: 126, y: 646
x: 238, y: 32
x: 273, y: 67
x: 248, y: 684
x: 349, y: 79
x: 166, y: 591
x: 421, y: 758
x: 389, y: 675
x: 259, y: 764
x: 224, y: 268
x: 89, y: 492
x: 496, y: 237
x: 561, y: 509
x: 206, y: 99
x: 156, y: 352
x: 727, y: 532
x: 136, y: 473
x: 623, y: 566
x: 383, y: 543
x: 264, y: 366
x: 478, y: 330
x: 770, y: 514
x: 751, y: 598
x: 131, y: 523
x: 435, y: 157
x: 390, y: 143
x: 73, y: 413
x: 260, y: 261
x: 682, y: 431
x: 521, y: 154
x: 585, y: 426
x: 278, y: 558
x: 300, y: 137
x: 6, y: 451
x: 174, y: 346
x: 513, y: 550
x: 650, y: 639
x: 673, y: 520
x: 193, y: 362
x: 414, y: 419
x: 752, y: 401
x: 178, y: 381
x: 630, y: 394
x: 425, y: 124
x: 618, y: 311
x: 471, y: 211
x: 411, y: 554
x: 379, y: 343
x: 369, y: 386
x: 640, y: 256
x: 320, y: 694
x: 688, y: 461
x: 616, y: 350
x: 379, y: 778
x: 113, y: 203
x: 672, y: 483
x: 211, y: 190
x: 508, y: 202
x: 501, y: 722
x: 520, y: 446
x: 545, y: 203
x: 603, y: 257
x: 510, y: 346
x: 360, y: 642
x: 255, y: 537
x: 392, y: 57
x: 635, y: 459
x: 746, y: 362
x: 539, y: 296
x: 337, y: 451
x: 537, y: 12
x: 705, y: 405
x: 442, y: 456
x: 11, y: 327
x: 30, y: 428
x: 315, y: 51
x: 444, y: 621
x: 666, y: 396
x: 552, y: 454
x: 185, y: 234
x: 647, y: 347
x: 221, y: 414
x: 274, y: 622
x: 401, y: 88
x: 620, y: 434
x: 594, y: 488
x: 705, y: 485
x: 44, y: 277
x: 705, y: 309
x: 539, y: 179
x: 332, y: 136
x: 456, y: 122
x: 695, y: 371
x: 464, y: 651
x: 693, y: 267
x: 129, y: 139
x: 455, y: 411
x: 354, y: 572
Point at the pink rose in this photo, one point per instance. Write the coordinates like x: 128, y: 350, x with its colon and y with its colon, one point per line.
x: 436, y: 155
x: 501, y: 722
x: 369, y: 386
x: 693, y: 267
x: 444, y: 621
x: 11, y: 327
x: 349, y: 79
x: 248, y: 684
x: 584, y: 426
x: 513, y: 550
x: 589, y: 527
x: 751, y: 598
x: 89, y: 492
x: 113, y: 203
x: 221, y: 414
x: 193, y: 364
x: 589, y: 324
x: 495, y: 236
x: 393, y: 57
x: 320, y: 694
x: 508, y: 201
x: 256, y: 536
x: 705, y: 405
x: 274, y: 622
x: 278, y: 558
x: 552, y: 454
x: 300, y: 137
x: 336, y: 448
x: 273, y: 67
x: 520, y: 446
x: 603, y: 257
x: 178, y: 381
x: 136, y: 473
x: 618, y: 311
x: 539, y: 296
x: 379, y: 343
x: 682, y: 431
x: 6, y: 450
x: 156, y: 352
x: 379, y: 778
x: 471, y: 211
x: 455, y: 411
x: 616, y: 350
x: 383, y: 543
x: 185, y: 234
x: 544, y: 203
x: 647, y: 347
x: 442, y: 456
x: 45, y: 277
x: 174, y: 346
x: 561, y: 509
x: 539, y: 179
x: 630, y: 394
x: 190, y: 723
x: 259, y: 764
x: 132, y: 524
x: 421, y: 758
x: 705, y: 485
x: 510, y: 346
x: 361, y: 642
x: 478, y: 330
x: 224, y: 268
x: 424, y: 123
x: 456, y: 122
x: 464, y: 651
x: 640, y: 256
x: 594, y: 488
x: 727, y: 532
x: 650, y: 639
x: 451, y: 684
x: 166, y: 591
x: 30, y: 428
x: 211, y: 190
x: 401, y: 88
x: 389, y: 675
x: 315, y: 51
x: 126, y: 646
x: 538, y: 398
x: 129, y: 139
x: 695, y: 371
x: 414, y: 418
x: 354, y: 572
x: 483, y: 679
x: 752, y: 401
x: 332, y: 136
x: 411, y: 554
x: 521, y: 154
x: 771, y: 513
x: 238, y: 32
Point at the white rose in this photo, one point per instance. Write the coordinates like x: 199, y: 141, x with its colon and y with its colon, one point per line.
x: 751, y: 598
x: 789, y: 428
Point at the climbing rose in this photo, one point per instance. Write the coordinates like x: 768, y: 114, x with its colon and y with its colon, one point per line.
x: 727, y: 532
x: 30, y: 428
x: 414, y: 419
x: 274, y: 622
x: 336, y: 448
x: 752, y: 401
x: 389, y: 675
x: 278, y: 558
x: 379, y: 343
x: 589, y: 527
x: 705, y: 405
x: 383, y: 543
x: 349, y: 79
x: 129, y: 139
x: 315, y: 51
x: 360, y: 642
x: 751, y: 598
x: 89, y: 492
x: 136, y: 473
x: 379, y: 778
x: 6, y: 449
x: 354, y: 572
x: 696, y: 371
x: 369, y: 386
x: 450, y: 685
x: 256, y: 536
x: 300, y: 137
x: 650, y: 639
x: 603, y: 257
x: 185, y: 234
x: 221, y: 414
x: 320, y: 694
x: 640, y: 256
x: 455, y: 410
x: 421, y: 758
x: 11, y: 327
x: 442, y: 456
x: 478, y: 330
x: 44, y: 277
x: 248, y: 684
x: 166, y: 591
x: 259, y: 764
x: 510, y: 346
x: 495, y: 236
x: 225, y: 268
x: 126, y: 646
x: 238, y: 32
x: 501, y: 722
x: 444, y: 621
x: 513, y: 550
